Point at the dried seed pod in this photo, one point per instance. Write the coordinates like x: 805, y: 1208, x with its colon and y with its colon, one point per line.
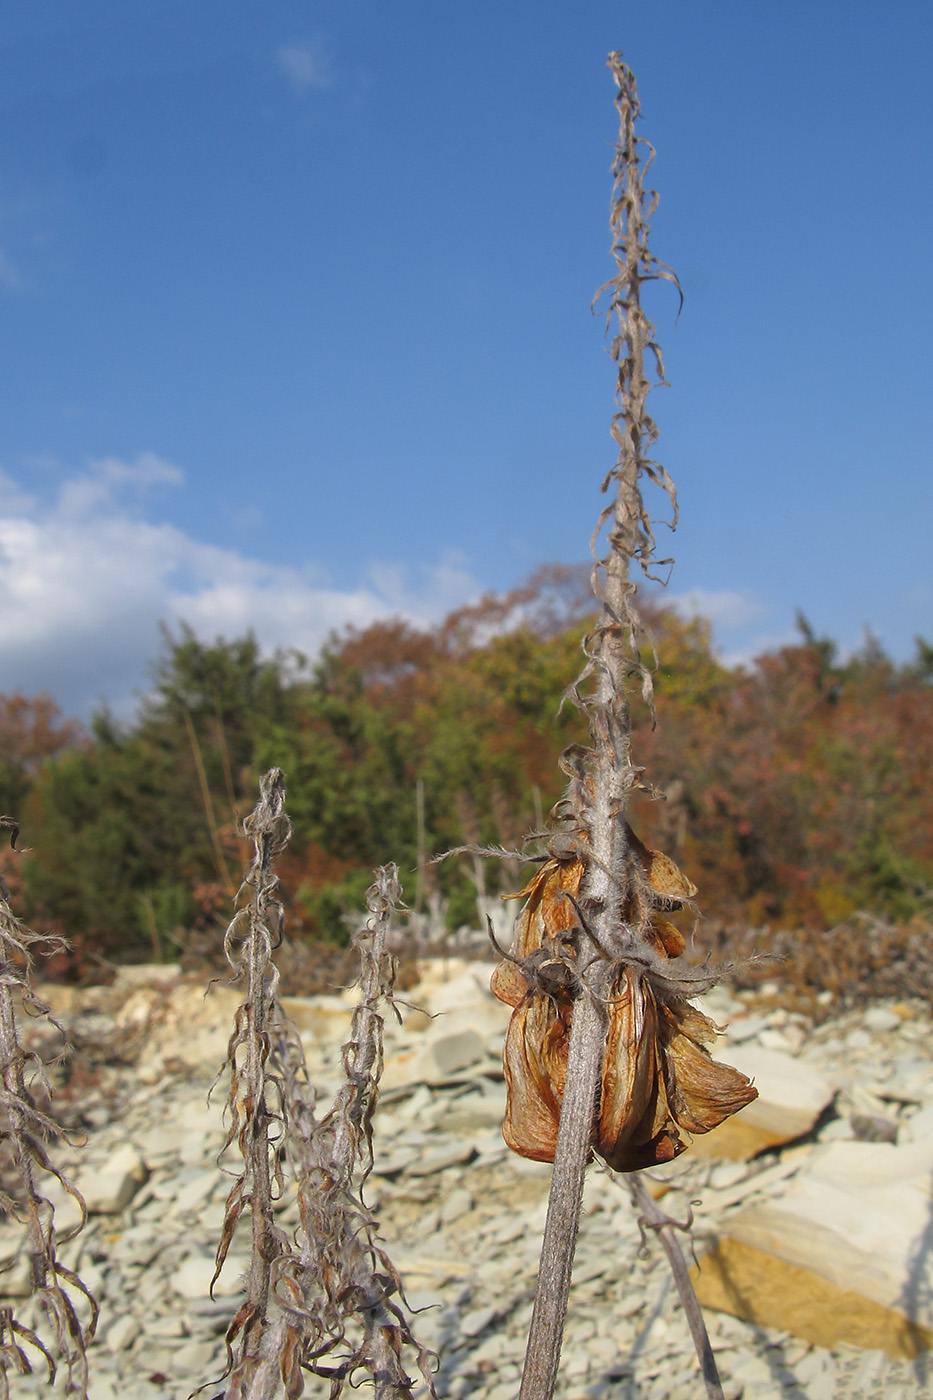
x: 535, y: 1063
x: 659, y: 1084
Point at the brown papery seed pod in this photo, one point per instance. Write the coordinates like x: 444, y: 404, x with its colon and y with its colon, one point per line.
x: 659, y: 1084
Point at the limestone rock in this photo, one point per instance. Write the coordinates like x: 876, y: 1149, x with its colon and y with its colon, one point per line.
x: 15, y: 1276
x: 110, y: 1189
x: 448, y: 1052
x: 791, y: 1096
x: 438, y: 1159
x: 192, y: 1278
x: 840, y: 1256
x: 122, y: 1333
x: 327, y: 1018
x: 194, y: 1029
x: 442, y: 1055
x: 134, y: 975
x: 465, y: 1233
x: 767, y: 1291
x: 461, y: 1001
x: 880, y: 1018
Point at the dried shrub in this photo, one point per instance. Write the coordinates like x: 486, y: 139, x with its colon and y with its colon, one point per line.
x: 861, y: 960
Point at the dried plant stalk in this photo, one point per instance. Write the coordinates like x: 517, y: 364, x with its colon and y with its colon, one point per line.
x: 323, y: 1302
x: 25, y: 1136
x: 654, y: 1218
x: 254, y: 1100
x: 339, y: 1292
x: 604, y: 1053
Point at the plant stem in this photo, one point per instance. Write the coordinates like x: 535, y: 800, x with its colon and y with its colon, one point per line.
x: 584, y: 1063
x: 658, y: 1220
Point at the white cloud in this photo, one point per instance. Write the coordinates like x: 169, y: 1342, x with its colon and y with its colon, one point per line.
x: 84, y: 583
x: 13, y: 500
x: 743, y: 628
x: 756, y: 644
x: 726, y: 610
x: 305, y: 65
x: 84, y: 496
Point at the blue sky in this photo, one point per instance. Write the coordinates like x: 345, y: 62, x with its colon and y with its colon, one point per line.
x: 294, y: 301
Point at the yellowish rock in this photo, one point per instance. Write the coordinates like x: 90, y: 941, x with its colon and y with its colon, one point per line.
x: 841, y: 1256
x: 791, y: 1097
x: 763, y: 1289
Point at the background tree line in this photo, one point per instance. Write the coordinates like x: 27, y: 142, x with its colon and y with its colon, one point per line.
x: 798, y: 788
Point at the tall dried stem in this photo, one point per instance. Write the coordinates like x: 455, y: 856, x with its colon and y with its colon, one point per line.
x: 325, y: 1301
x: 338, y: 1293
x: 254, y: 1101
x: 25, y: 1136
x: 611, y: 970
x: 613, y: 647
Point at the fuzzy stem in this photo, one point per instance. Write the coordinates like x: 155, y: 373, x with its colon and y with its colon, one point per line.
x: 257, y: 1017
x: 607, y: 775
x: 256, y: 928
x: 584, y: 1062
x: 25, y: 1135
x: 335, y: 1294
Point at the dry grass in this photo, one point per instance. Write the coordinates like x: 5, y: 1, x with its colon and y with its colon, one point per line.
x: 859, y: 961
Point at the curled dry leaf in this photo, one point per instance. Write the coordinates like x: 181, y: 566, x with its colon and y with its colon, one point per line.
x: 659, y: 1084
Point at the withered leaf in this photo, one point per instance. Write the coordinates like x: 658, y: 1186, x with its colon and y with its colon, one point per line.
x: 547, y: 914
x: 702, y: 1092
x: 665, y: 878
x: 660, y: 1085
x: 535, y: 1064
x: 633, y: 1123
x: 666, y: 937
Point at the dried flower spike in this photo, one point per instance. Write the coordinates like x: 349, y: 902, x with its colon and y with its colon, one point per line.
x: 604, y: 1053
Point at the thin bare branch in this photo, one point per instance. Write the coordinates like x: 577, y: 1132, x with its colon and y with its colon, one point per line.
x: 654, y: 1218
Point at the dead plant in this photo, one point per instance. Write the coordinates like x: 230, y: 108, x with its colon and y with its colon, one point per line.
x: 329, y: 1300
x: 26, y: 1136
x: 604, y: 1052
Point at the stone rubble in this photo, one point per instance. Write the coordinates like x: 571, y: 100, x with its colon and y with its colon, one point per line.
x: 845, y: 1116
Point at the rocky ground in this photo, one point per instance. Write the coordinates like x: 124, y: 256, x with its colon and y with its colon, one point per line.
x: 828, y: 1182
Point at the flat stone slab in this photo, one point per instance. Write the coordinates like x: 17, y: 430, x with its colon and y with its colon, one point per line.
x: 791, y: 1097
x: 109, y: 1190
x: 844, y: 1255
x: 438, y: 1159
x: 327, y: 1018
